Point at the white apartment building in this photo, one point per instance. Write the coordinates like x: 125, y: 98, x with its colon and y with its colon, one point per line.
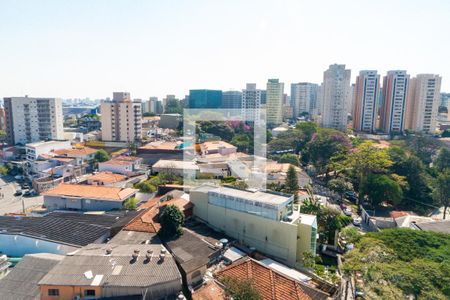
x: 336, y: 97
x: 274, y: 101
x: 34, y: 150
x: 423, y: 102
x: 31, y: 120
x: 121, y: 118
x: 303, y: 98
x: 251, y: 103
x: 365, y: 102
x: 395, y: 93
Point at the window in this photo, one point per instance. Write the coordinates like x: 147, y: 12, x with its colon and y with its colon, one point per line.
x: 89, y: 293
x: 53, y: 292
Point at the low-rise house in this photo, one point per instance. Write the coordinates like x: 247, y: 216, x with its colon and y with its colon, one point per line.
x: 22, y: 282
x: 110, y: 270
x: 193, y: 254
x: 86, y: 197
x: 125, y: 165
x: 83, y: 155
x: 269, y: 283
x: 266, y: 221
x: 105, y: 178
x: 58, y: 232
x: 277, y: 172
x: 177, y: 167
x: 220, y: 147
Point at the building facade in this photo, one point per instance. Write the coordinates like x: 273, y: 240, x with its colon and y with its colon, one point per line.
x: 336, y: 97
x: 423, y: 103
x: 121, y: 119
x: 30, y: 120
x: 266, y: 221
x: 274, y: 105
x: 365, y: 102
x: 395, y: 93
x: 205, y: 99
x: 303, y: 98
x: 251, y: 103
x: 232, y: 99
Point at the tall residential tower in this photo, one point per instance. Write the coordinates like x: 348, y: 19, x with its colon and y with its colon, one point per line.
x: 365, y: 103
x: 303, y: 98
x: 274, y: 105
x: 251, y: 103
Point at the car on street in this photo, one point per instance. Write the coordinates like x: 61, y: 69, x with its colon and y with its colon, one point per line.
x: 18, y: 193
x: 357, y: 222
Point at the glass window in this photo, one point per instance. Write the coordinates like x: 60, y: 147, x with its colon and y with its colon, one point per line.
x: 53, y: 292
x: 88, y: 293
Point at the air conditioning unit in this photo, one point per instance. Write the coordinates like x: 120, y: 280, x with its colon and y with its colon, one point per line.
x: 77, y: 297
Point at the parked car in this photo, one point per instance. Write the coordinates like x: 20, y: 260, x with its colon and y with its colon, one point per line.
x: 18, y: 193
x: 348, y: 212
x: 30, y: 193
x: 357, y: 222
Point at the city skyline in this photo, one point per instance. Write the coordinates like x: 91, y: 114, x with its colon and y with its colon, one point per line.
x: 154, y: 49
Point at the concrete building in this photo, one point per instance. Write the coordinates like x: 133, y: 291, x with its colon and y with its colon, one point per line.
x: 303, y: 98
x: 251, y: 103
x: 395, y: 93
x: 232, y: 99
x: 125, y: 165
x: 423, y: 103
x: 171, y: 121
x: 176, y: 167
x: 266, y: 221
x: 445, y: 99
x: 274, y: 105
x: 35, y: 150
x: 87, y: 197
x: 2, y: 119
x: 30, y: 120
x: 365, y: 103
x: 336, y: 97
x: 205, y: 99
x: 121, y: 118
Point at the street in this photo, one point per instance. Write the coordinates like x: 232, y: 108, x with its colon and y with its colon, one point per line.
x: 13, y: 204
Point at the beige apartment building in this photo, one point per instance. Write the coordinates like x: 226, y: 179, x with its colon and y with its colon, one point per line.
x: 274, y: 101
x: 365, y: 104
x: 266, y: 221
x: 423, y: 103
x: 121, y: 118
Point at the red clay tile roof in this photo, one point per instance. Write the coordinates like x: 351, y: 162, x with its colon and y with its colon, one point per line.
x: 271, y: 284
x: 209, y: 291
x: 127, y: 158
x: 107, y: 177
x: 75, y: 151
x: 91, y: 192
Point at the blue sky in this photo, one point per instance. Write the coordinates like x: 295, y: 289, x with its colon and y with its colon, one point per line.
x: 90, y: 48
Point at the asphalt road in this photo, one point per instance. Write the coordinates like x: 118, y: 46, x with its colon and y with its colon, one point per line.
x: 12, y: 204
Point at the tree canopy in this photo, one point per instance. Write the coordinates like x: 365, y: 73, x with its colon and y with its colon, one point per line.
x: 101, y: 156
x: 171, y: 219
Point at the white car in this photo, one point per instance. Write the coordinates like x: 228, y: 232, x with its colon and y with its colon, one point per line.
x: 348, y: 212
x: 357, y: 222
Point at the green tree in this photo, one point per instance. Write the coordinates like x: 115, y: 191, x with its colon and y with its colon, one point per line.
x: 171, y: 220
x: 101, y: 156
x: 132, y: 147
x: 145, y: 187
x: 442, y: 161
x: 331, y: 220
x: 130, y: 203
x: 340, y: 186
x: 380, y: 188
x: 291, y: 184
x: 308, y: 129
x: 310, y: 207
x: 148, y: 114
x: 242, y: 142
x: 441, y: 192
x: 3, y: 170
x: 351, y: 234
x: 367, y: 159
x: 289, y: 158
x: 308, y: 259
x: 325, y: 144
x: 2, y: 135
x: 239, y: 289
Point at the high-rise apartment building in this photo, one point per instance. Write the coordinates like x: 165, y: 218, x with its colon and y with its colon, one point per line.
x: 274, y: 105
x: 121, y: 118
x: 395, y: 93
x: 336, y: 97
x: 2, y: 119
x: 445, y: 100
x: 303, y: 98
x: 365, y: 101
x: 422, y: 103
x: 232, y: 99
x: 150, y: 105
x: 205, y: 99
x: 251, y: 103
x: 31, y: 120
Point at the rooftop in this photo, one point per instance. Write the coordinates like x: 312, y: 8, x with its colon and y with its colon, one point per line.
x: 256, y: 196
x: 216, y: 145
x: 92, y: 266
x: 190, y: 250
x: 75, y: 151
x: 175, y: 164
x: 22, y: 282
x: 161, y: 145
x: 107, y: 177
x: 442, y: 226
x: 91, y: 191
x: 271, y: 284
x: 209, y: 291
x: 127, y: 158
x: 75, y: 229
x: 117, y: 162
x: 46, y: 143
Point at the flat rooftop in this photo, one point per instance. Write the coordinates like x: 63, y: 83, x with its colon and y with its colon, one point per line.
x: 47, y: 143
x: 106, y: 193
x: 175, y: 164
x: 256, y: 196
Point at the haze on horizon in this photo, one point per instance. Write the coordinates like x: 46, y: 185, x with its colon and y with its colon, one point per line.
x: 85, y: 48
